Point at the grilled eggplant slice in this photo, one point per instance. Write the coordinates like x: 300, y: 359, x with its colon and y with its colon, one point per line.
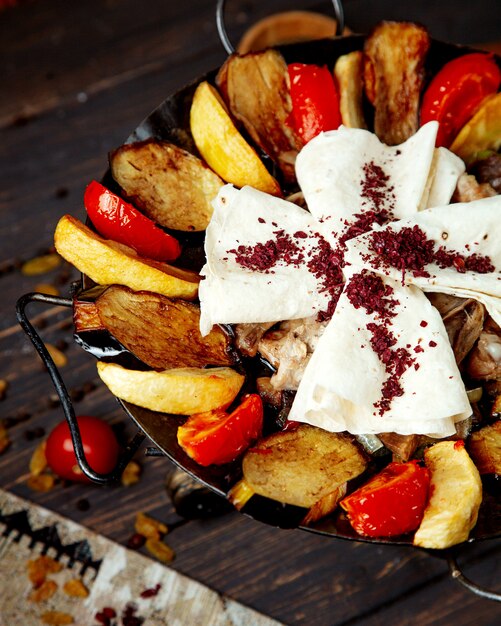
x: 162, y: 332
x: 302, y: 466
x: 455, y: 497
x: 256, y: 89
x: 86, y: 316
x: 170, y: 185
x: 402, y: 446
x: 395, y: 53
x: 349, y: 75
x: 484, y: 447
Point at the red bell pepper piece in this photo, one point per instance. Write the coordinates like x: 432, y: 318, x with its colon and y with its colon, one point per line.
x: 218, y: 437
x: 118, y: 220
x: 455, y: 93
x: 315, y: 100
x: 391, y: 503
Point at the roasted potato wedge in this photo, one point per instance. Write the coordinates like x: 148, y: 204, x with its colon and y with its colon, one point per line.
x: 395, y: 53
x: 482, y: 132
x: 162, y: 332
x: 484, y: 447
x: 223, y: 147
x: 107, y: 262
x: 168, y: 184
x: 181, y: 391
x: 349, y: 75
x: 303, y: 465
x: 455, y: 497
x: 256, y: 89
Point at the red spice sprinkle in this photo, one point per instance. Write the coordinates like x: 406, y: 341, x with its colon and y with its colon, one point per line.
x: 369, y: 291
x: 363, y: 223
x: 376, y: 188
x: 424, y: 323
x: 105, y: 616
x: 263, y: 256
x: 300, y: 234
x: 410, y: 250
x: 432, y: 344
x: 261, y: 220
x: 152, y: 592
x: 418, y: 349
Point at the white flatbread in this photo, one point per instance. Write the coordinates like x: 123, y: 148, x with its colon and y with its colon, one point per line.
x: 446, y: 168
x: 467, y: 228
x: 344, y: 378
x: 330, y: 172
x: 231, y: 293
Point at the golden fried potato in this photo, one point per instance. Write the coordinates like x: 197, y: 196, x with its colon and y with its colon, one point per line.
x: 482, y: 132
x: 162, y: 332
x: 223, y: 147
x: 107, y: 262
x: 349, y: 75
x: 172, y: 186
x: 455, y: 497
x: 395, y: 54
x: 484, y: 447
x: 303, y: 465
x: 182, y: 391
x: 256, y: 89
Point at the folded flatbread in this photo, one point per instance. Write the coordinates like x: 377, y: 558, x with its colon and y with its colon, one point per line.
x: 470, y: 230
x: 235, y: 289
x: 341, y: 388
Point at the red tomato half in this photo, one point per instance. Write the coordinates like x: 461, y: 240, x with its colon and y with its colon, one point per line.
x: 315, y: 100
x: 216, y: 437
x: 118, y: 220
x: 455, y: 93
x: 391, y: 503
x: 99, y: 444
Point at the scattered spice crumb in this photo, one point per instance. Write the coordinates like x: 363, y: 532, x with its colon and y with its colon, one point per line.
x: 41, y: 483
x: 56, y: 618
x: 48, y: 289
x: 3, y: 388
x: 149, y: 527
x: 136, y: 541
x: 45, y: 591
x: 83, y: 504
x: 131, y: 474
x: 41, y: 264
x: 160, y: 550
x: 105, y: 616
x: 38, y: 461
x: 4, y: 438
x: 41, y: 566
x: 75, y: 588
x: 57, y: 356
x: 152, y: 592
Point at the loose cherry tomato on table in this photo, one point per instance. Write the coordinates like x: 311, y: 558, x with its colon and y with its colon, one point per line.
x: 456, y: 92
x: 99, y: 443
x: 218, y: 437
x: 120, y: 221
x: 391, y: 503
x: 315, y: 100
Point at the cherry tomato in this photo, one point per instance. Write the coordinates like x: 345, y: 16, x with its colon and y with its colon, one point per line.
x: 315, y: 100
x: 118, y: 220
x: 391, y: 503
x: 216, y: 437
x: 456, y: 92
x: 99, y: 444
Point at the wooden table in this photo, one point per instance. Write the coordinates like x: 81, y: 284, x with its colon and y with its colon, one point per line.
x: 75, y: 79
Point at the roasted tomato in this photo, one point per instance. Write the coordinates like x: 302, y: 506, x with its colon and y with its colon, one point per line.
x: 99, y: 444
x: 315, y: 100
x: 391, y: 503
x: 217, y: 437
x: 121, y: 222
x: 456, y: 92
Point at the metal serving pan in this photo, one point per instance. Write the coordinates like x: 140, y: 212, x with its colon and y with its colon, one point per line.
x: 170, y: 121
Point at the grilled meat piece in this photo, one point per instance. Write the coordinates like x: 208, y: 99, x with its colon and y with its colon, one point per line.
x: 256, y: 89
x: 484, y: 362
x: 395, y: 53
x: 469, y: 189
x: 463, y: 319
x: 247, y: 337
x: 489, y: 171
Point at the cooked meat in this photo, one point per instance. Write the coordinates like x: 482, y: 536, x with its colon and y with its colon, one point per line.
x: 247, y: 336
x: 268, y: 393
x: 469, y: 189
x: 463, y: 319
x: 256, y: 88
x: 289, y: 349
x: 489, y: 171
x: 402, y: 446
x: 484, y: 362
x: 394, y: 58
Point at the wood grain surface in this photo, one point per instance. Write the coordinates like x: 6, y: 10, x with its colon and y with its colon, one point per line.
x: 76, y: 78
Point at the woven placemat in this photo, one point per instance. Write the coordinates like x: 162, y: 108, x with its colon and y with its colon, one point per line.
x: 116, y: 578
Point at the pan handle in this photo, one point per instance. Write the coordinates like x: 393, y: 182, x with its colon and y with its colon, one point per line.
x: 225, y: 40
x: 458, y: 575
x: 69, y: 411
